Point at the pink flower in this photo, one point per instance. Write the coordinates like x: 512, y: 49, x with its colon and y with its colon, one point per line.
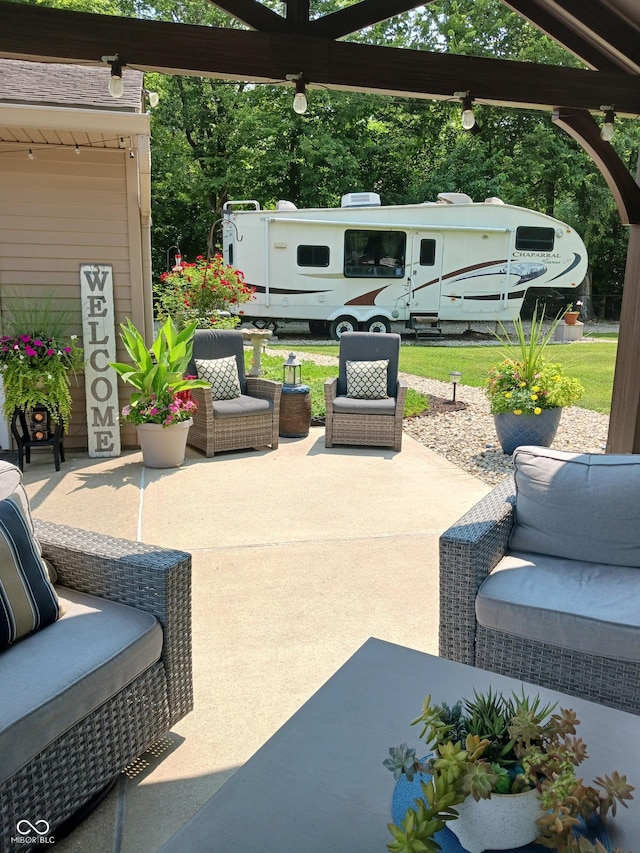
x: 37, y: 342
x: 25, y: 338
x: 67, y: 350
x: 29, y: 350
x: 50, y: 351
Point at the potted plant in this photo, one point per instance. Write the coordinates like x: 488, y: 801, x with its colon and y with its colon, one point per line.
x: 161, y: 408
x: 509, y: 751
x: 202, y: 291
x: 571, y: 316
x: 526, y: 391
x: 37, y: 359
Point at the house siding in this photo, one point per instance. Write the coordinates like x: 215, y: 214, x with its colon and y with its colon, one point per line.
x: 62, y: 209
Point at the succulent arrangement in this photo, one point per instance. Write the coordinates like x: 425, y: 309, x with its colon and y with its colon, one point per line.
x: 502, y: 744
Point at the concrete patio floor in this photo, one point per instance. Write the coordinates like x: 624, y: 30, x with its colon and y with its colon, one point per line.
x: 299, y: 556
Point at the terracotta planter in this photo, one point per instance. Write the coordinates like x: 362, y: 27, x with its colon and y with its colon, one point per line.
x: 163, y: 447
x: 503, y: 822
x: 515, y: 430
x: 571, y: 317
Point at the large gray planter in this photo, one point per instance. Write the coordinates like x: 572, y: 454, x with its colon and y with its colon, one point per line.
x: 163, y: 447
x: 515, y: 430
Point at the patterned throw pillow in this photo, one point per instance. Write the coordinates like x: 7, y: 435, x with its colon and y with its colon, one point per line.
x: 367, y: 380
x: 222, y: 373
x: 28, y: 601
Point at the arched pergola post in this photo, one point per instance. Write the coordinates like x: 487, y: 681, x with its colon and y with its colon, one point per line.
x: 624, y: 421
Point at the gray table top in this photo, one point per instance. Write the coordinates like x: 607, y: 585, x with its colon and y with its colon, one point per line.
x: 318, y: 785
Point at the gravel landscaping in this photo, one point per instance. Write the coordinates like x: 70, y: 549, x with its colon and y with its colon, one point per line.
x: 464, y: 433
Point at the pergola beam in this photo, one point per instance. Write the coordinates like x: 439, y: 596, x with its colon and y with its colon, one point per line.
x: 57, y: 35
x: 253, y: 14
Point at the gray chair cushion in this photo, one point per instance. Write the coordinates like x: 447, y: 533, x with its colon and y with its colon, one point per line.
x: 584, y: 606
x: 52, y: 679
x: 241, y: 407
x: 207, y: 343
x: 580, y: 506
x: 355, y: 406
x: 369, y: 346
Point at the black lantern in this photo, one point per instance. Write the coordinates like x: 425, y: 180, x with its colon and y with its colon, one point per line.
x: 292, y: 371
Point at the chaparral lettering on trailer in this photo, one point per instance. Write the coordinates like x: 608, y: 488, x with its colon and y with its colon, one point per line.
x: 99, y: 339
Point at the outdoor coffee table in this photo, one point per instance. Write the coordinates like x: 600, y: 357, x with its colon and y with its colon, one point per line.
x: 318, y: 785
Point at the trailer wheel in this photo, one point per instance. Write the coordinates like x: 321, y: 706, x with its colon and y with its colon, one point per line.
x: 342, y: 324
x: 318, y: 327
x: 377, y: 324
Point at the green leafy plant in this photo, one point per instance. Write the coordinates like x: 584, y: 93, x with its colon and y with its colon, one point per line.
x: 37, y: 358
x: 493, y: 743
x: 162, y: 395
x: 526, y: 383
x: 202, y: 292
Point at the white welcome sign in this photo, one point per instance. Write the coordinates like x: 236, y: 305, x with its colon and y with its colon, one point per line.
x: 99, y: 341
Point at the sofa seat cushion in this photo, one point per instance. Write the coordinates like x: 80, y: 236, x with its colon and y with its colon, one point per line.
x: 581, y: 506
x: 52, y: 679
x: 355, y: 406
x: 241, y: 406
x: 574, y: 604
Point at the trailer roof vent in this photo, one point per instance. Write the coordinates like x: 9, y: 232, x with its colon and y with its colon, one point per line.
x: 454, y: 198
x: 285, y: 205
x: 493, y: 199
x: 360, y: 200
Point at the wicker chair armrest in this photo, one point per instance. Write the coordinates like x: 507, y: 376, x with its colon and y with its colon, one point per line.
x: 401, y: 394
x: 204, y: 400
x: 469, y: 550
x: 157, y: 580
x: 264, y: 389
x: 330, y: 390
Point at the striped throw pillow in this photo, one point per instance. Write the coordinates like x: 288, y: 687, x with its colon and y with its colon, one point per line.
x: 28, y: 601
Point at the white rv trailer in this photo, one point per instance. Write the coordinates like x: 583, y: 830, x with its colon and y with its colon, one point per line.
x: 364, y: 266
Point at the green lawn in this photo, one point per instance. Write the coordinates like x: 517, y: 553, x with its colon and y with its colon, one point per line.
x: 591, y: 362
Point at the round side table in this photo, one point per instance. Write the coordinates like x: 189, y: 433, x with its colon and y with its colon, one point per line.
x: 295, y: 411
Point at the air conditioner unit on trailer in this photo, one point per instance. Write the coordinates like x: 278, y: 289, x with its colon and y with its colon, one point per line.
x: 360, y: 200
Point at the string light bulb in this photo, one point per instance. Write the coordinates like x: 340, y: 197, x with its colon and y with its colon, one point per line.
x: 116, y: 85
x: 468, y: 118
x: 31, y: 155
x: 607, y: 128
x: 300, y: 97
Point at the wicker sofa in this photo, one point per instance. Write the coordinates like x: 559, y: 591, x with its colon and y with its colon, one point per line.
x: 540, y: 580
x: 86, y: 695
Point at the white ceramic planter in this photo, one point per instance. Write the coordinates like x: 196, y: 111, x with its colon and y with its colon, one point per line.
x: 163, y: 447
x: 504, y: 822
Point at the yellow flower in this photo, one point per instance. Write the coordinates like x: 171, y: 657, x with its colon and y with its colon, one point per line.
x: 534, y: 396
x: 508, y: 394
x: 517, y: 411
x: 536, y: 388
x: 537, y: 410
x: 522, y: 385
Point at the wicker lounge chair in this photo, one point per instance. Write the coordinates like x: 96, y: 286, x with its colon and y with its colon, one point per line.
x: 248, y: 420
x: 361, y: 420
x: 583, y: 640
x: 64, y: 776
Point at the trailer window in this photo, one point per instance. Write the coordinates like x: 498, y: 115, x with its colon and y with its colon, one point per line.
x: 529, y: 239
x: 313, y: 256
x: 369, y: 254
x: 427, y: 253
